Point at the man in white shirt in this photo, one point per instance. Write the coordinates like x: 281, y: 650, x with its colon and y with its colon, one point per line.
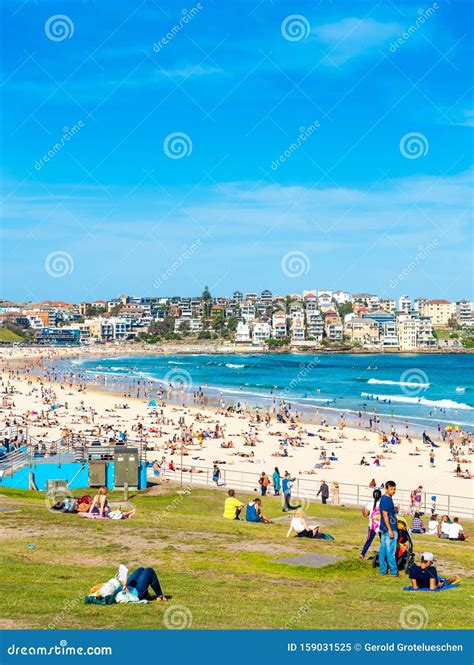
x: 456, y: 532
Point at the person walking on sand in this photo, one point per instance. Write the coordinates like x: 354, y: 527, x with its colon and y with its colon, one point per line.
x: 432, y: 459
x: 388, y: 531
x: 216, y: 474
x: 324, y: 491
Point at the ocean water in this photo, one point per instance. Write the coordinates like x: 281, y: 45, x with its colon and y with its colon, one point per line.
x: 425, y: 388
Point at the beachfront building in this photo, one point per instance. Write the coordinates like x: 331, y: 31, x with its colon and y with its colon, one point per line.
x: 315, y: 325
x: 407, y: 333
x: 242, y: 333
x: 261, y: 331
x: 108, y: 330
x: 362, y: 331
x: 333, y: 327
x: 380, y: 317
x: 297, y: 328
x: 279, y: 325
x: 188, y: 325
x: 389, y: 335
x: 463, y: 312
x: 425, y: 338
x: 439, y: 311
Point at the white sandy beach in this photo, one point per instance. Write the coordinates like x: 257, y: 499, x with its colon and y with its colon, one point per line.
x: 92, y: 409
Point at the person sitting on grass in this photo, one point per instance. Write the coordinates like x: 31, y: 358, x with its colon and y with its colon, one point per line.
x: 425, y: 576
x: 100, y: 505
x: 456, y: 531
x: 232, y: 506
x: 299, y: 525
x: 254, y: 512
x: 417, y: 525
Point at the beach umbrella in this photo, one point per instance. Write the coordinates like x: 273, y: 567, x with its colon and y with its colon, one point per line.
x: 152, y: 403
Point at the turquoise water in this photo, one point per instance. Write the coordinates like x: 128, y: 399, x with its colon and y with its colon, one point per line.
x: 424, y: 388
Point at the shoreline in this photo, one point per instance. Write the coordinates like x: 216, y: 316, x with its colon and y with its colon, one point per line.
x: 96, y: 409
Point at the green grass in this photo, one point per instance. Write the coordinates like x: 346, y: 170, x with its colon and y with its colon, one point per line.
x: 8, y: 336
x: 223, y: 572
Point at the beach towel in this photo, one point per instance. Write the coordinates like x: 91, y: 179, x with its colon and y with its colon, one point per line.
x: 441, y: 588
x: 93, y: 516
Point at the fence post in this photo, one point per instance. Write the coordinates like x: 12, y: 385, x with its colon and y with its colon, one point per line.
x: 358, y: 502
x: 449, y: 504
x: 125, y: 491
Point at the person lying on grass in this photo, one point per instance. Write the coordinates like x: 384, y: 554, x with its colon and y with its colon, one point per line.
x: 125, y: 588
x: 425, y: 576
x: 254, y: 512
x: 299, y: 525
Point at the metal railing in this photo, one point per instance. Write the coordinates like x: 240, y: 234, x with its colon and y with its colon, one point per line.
x: 306, y: 489
x: 76, y: 448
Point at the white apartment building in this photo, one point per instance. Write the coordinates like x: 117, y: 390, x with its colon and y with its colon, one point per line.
x: 193, y: 325
x: 404, y: 304
x: 261, y: 331
x: 315, y: 325
x: 389, y: 335
x: 341, y: 297
x: 242, y: 333
x: 247, y: 311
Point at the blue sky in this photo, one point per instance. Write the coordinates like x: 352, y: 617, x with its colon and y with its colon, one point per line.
x: 344, y: 83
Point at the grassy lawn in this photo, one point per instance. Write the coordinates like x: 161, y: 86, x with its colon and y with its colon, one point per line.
x: 223, y: 572
x: 9, y: 336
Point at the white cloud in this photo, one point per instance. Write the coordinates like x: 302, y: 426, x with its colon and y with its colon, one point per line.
x: 353, y: 37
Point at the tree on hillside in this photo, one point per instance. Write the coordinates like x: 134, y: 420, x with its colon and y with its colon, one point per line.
x: 344, y: 309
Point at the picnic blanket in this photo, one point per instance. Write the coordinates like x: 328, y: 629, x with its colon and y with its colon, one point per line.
x: 441, y: 588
